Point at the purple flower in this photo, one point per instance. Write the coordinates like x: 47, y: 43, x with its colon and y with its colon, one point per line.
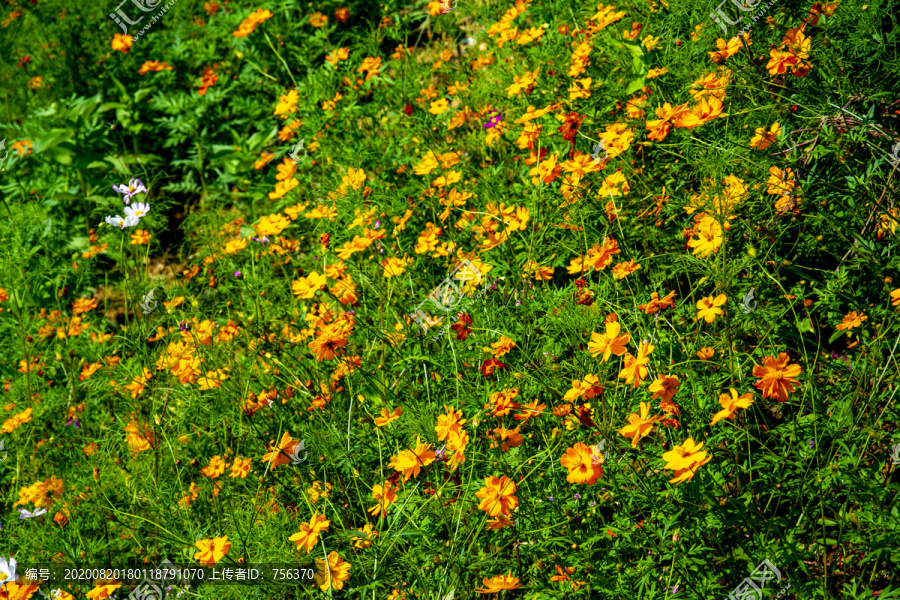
x: 237, y: 273
x: 578, y: 496
x: 75, y: 420
x: 134, y: 187
x: 377, y: 224
x: 550, y: 498
x: 812, y: 444
x: 493, y: 121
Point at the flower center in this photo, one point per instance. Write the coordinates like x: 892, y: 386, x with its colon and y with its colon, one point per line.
x: 131, y: 188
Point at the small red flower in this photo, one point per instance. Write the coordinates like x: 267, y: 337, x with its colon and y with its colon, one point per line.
x: 488, y: 366
x: 462, y: 326
x: 408, y: 110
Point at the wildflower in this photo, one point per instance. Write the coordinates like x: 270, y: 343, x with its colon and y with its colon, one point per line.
x: 282, y: 453
x: 240, y: 468
x: 708, y: 308
x: 777, y: 378
x: 121, y: 223
x: 730, y: 405
x: 103, y: 589
x: 207, y: 80
x: 623, y: 269
x: 309, y: 532
x: 388, y: 417
x: 134, y: 187
x: 447, y: 422
x: 609, y: 343
x: 705, y: 353
x: 665, y: 386
x: 763, y: 139
x: 461, y: 327
x: 497, y: 496
x: 410, y: 462
x: 154, y: 66
x: 498, y: 583
x: 851, y: 320
x: 639, y: 426
x: 581, y: 465
x: 895, y: 297
x: 502, y: 347
x: 212, y: 550
x: 507, y: 438
x: 337, y: 572
x: 140, y: 237
x: 385, y: 495
x: 137, y: 211
x: 122, y: 43
x: 439, y: 106
x: 249, y: 24
x: 685, y: 460
x: 25, y: 514
x: 635, y: 367
x: 306, y: 287
x: 489, y: 365
x: 364, y: 542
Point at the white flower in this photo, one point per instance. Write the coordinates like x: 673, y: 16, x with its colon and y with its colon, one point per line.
x: 134, y: 187
x: 137, y: 210
x: 117, y: 221
x: 24, y: 514
x: 7, y: 569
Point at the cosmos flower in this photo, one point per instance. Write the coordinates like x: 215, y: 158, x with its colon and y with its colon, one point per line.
x: 639, y: 426
x: 134, y: 187
x: 498, y: 583
x: 121, y: 223
x: 731, y: 404
x: 777, y: 377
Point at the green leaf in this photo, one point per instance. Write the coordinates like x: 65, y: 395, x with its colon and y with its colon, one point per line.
x: 52, y: 138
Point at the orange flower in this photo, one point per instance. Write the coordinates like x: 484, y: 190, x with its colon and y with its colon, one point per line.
x: 122, y: 43
x: 730, y: 405
x: 282, y: 453
x: 212, y: 551
x: 639, y: 426
x: 154, y: 66
x: 502, y: 347
x: 103, y: 589
x: 498, y: 496
x: 24, y: 591
x: 215, y: 468
x: 240, y: 468
x: 385, y: 495
x: 895, y: 297
x: 140, y: 237
x: 851, y: 320
x: 448, y: 422
x: 705, y: 353
x: 387, y: 417
x: 498, y: 583
x: 635, y: 367
x: 309, y: 532
x: 777, y: 378
x: 665, y: 386
x: 410, y: 462
x: 581, y: 465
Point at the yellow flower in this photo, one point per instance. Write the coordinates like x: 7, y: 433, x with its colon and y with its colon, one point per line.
x: 309, y: 532
x: 212, y: 550
x: 730, y: 405
x: 609, y: 343
x: 639, y: 426
x: 306, y: 287
x: 336, y: 573
x: 364, y: 542
x: 635, y: 367
x: 122, y: 43
x: 708, y: 308
x: 439, y: 106
x: 685, y: 460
